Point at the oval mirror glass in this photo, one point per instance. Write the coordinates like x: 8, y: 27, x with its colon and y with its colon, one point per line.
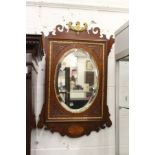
x: 76, y: 80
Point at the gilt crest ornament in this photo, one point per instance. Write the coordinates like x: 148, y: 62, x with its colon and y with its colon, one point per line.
x: 77, y: 28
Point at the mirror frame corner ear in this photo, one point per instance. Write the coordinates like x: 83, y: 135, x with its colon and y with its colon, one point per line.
x: 53, y: 116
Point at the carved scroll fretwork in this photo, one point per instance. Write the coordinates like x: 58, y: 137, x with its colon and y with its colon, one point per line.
x: 77, y: 32
x: 110, y: 43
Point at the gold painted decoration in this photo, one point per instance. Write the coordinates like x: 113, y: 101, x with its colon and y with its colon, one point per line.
x: 77, y: 28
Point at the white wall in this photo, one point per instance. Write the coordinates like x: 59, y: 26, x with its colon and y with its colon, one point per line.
x: 45, y: 19
x: 101, y: 143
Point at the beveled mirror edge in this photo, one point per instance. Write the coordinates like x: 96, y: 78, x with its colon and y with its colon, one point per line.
x: 80, y: 110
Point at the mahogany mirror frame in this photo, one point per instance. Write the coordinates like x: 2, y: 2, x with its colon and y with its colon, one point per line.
x: 53, y: 116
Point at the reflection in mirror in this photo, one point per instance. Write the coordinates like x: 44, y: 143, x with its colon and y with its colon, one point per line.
x: 76, y: 80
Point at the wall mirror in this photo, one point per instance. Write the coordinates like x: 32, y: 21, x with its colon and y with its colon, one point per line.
x: 76, y: 81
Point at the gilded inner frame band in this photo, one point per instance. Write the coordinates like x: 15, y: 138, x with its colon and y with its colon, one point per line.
x: 57, y: 119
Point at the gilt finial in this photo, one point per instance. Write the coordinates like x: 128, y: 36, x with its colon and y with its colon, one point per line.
x: 77, y: 28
